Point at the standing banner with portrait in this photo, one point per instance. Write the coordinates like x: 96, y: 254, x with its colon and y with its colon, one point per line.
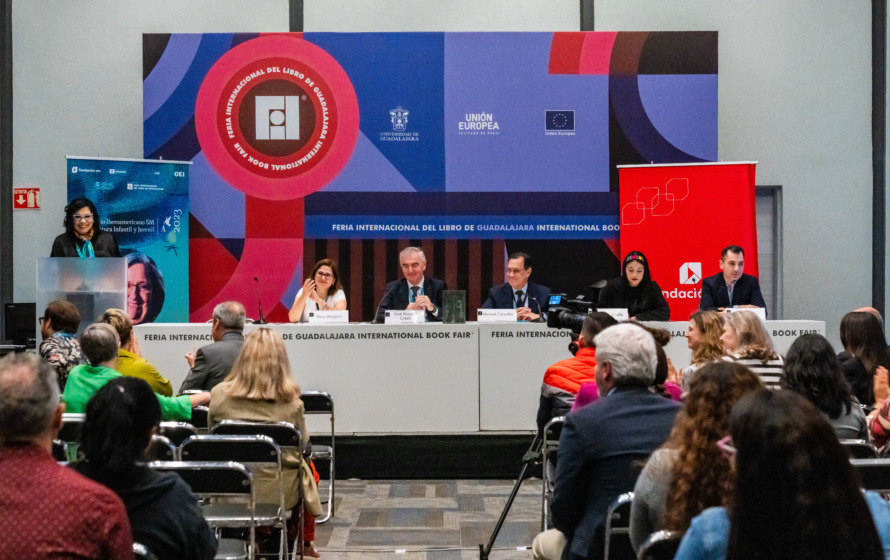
x: 681, y: 217
x: 145, y: 204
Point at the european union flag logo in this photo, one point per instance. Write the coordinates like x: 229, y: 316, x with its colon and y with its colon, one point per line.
x: 560, y: 120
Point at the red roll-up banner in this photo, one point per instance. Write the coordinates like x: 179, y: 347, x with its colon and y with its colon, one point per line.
x: 682, y: 216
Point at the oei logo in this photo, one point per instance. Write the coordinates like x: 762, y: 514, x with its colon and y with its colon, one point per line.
x: 690, y: 273
x: 277, y: 117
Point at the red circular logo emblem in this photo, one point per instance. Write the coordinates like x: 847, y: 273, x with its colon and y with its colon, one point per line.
x: 277, y: 117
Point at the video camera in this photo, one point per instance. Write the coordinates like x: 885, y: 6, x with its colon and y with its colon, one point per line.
x: 564, y: 313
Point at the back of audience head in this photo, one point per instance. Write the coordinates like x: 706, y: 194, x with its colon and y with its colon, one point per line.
x: 62, y: 316
x: 863, y: 338
x: 121, y: 322
x: 662, y: 338
x: 702, y: 477
x: 797, y: 495
x: 99, y: 343
x: 120, y: 420
x: 262, y: 369
x: 630, y: 350
x: 813, y: 371
x: 594, y: 324
x: 705, y: 342
x: 745, y: 335
x: 29, y: 398
x: 230, y: 315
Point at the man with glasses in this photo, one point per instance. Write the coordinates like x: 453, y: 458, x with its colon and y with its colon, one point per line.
x: 527, y: 298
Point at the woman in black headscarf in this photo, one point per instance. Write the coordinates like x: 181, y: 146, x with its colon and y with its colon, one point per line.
x: 636, y: 291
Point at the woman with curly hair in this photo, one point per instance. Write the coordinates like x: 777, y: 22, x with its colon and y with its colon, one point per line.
x: 796, y: 495
x: 689, y: 474
x: 703, y: 338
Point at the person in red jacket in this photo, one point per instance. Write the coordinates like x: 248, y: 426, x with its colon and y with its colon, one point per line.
x: 563, y: 379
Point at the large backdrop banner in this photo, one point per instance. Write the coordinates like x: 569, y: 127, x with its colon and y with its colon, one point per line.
x: 681, y: 217
x: 145, y: 204
x: 472, y: 145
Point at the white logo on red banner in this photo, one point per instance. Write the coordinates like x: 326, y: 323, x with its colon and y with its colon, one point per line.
x: 654, y: 201
x: 690, y: 273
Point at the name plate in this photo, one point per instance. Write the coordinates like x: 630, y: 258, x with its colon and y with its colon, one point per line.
x: 759, y: 311
x: 496, y: 316
x: 329, y: 317
x: 617, y: 313
x: 404, y: 317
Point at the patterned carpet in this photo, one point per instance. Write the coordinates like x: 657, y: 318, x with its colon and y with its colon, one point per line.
x: 429, y: 520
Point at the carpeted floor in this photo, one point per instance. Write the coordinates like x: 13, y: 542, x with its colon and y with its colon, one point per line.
x: 429, y: 520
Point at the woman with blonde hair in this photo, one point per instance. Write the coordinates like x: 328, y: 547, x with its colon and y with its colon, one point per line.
x: 129, y: 362
x: 746, y: 342
x: 703, y: 338
x: 260, y: 389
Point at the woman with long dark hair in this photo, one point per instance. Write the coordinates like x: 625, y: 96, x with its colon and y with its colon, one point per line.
x: 636, y: 291
x: 164, y: 514
x: 321, y: 291
x: 688, y: 474
x: 83, y: 235
x: 813, y: 372
x: 796, y: 494
x: 863, y: 340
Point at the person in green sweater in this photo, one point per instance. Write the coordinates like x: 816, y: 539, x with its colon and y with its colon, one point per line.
x: 100, y: 344
x: 129, y: 362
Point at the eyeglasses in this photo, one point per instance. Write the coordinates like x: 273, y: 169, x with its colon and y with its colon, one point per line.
x: 41, y: 319
x: 726, y: 447
x: 142, y: 288
x: 511, y: 271
x: 324, y: 274
x: 83, y: 217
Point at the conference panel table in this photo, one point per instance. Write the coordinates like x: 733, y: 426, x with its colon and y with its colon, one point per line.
x: 428, y: 378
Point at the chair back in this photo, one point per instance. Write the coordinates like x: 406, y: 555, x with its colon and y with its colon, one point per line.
x: 284, y: 434
x: 860, y: 449
x: 317, y: 402
x: 617, y: 533
x: 661, y: 545
x: 243, y: 449
x: 141, y: 552
x: 201, y: 418
x: 72, y: 423
x: 161, y: 449
x: 549, y: 450
x: 874, y: 474
x: 177, y: 432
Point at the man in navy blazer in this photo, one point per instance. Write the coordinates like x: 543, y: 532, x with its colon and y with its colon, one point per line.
x: 529, y: 299
x: 602, y: 443
x: 731, y: 287
x: 415, y: 291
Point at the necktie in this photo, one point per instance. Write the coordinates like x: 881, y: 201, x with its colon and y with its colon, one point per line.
x: 414, y: 290
x: 520, y: 299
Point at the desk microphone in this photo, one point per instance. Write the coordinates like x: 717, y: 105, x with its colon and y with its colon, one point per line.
x: 379, y: 305
x: 540, y: 318
x: 259, y: 301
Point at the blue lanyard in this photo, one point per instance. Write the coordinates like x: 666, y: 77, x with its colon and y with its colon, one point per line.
x: 85, y: 252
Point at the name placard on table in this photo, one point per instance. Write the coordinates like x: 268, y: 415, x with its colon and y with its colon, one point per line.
x: 617, y: 313
x: 491, y: 316
x: 403, y: 317
x: 329, y: 317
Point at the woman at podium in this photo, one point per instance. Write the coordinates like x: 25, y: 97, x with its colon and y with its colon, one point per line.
x: 83, y: 237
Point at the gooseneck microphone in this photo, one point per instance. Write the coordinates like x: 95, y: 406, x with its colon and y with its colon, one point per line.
x: 379, y: 305
x: 259, y: 301
x: 540, y: 318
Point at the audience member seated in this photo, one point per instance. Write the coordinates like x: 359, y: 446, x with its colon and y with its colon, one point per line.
x: 46, y: 510
x: 746, y: 341
x: 879, y: 419
x: 636, y: 291
x: 703, y: 338
x: 260, y: 388
x: 60, y: 348
x: 842, y: 356
x: 100, y: 344
x: 212, y: 363
x: 601, y: 442
x: 164, y: 514
x: 864, y: 342
x: 796, y: 494
x: 689, y: 474
x: 518, y: 293
x: 564, y: 379
x: 129, y: 363
x: 321, y: 291
x: 813, y: 372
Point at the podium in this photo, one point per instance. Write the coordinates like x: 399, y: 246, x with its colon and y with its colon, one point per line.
x: 92, y: 285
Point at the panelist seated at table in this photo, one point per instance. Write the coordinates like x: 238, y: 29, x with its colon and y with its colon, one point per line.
x: 415, y: 291
x: 527, y: 298
x: 321, y: 291
x: 731, y: 287
x: 636, y: 291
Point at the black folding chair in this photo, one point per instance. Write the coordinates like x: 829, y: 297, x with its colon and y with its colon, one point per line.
x: 141, y: 552
x: 860, y: 449
x: 874, y: 474
x: 549, y: 451
x: 319, y: 402
x: 201, y: 419
x: 177, y: 432
x: 161, y: 449
x: 661, y: 545
x: 617, y: 533
x: 69, y: 433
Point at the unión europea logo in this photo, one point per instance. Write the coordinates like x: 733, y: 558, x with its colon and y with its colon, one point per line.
x: 690, y: 272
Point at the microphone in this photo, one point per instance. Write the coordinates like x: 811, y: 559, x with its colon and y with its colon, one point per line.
x: 379, y: 305
x: 259, y: 301
x: 540, y: 318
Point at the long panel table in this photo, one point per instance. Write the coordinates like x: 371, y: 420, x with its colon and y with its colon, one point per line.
x: 429, y: 378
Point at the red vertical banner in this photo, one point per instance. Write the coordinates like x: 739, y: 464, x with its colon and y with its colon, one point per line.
x: 682, y: 216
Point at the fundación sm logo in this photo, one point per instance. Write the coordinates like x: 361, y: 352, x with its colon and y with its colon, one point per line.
x: 690, y: 272
x: 277, y: 117
x: 399, y: 118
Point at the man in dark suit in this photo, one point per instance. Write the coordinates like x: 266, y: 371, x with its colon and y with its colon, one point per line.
x: 211, y: 364
x: 518, y: 293
x: 415, y: 291
x: 602, y: 443
x: 731, y: 287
